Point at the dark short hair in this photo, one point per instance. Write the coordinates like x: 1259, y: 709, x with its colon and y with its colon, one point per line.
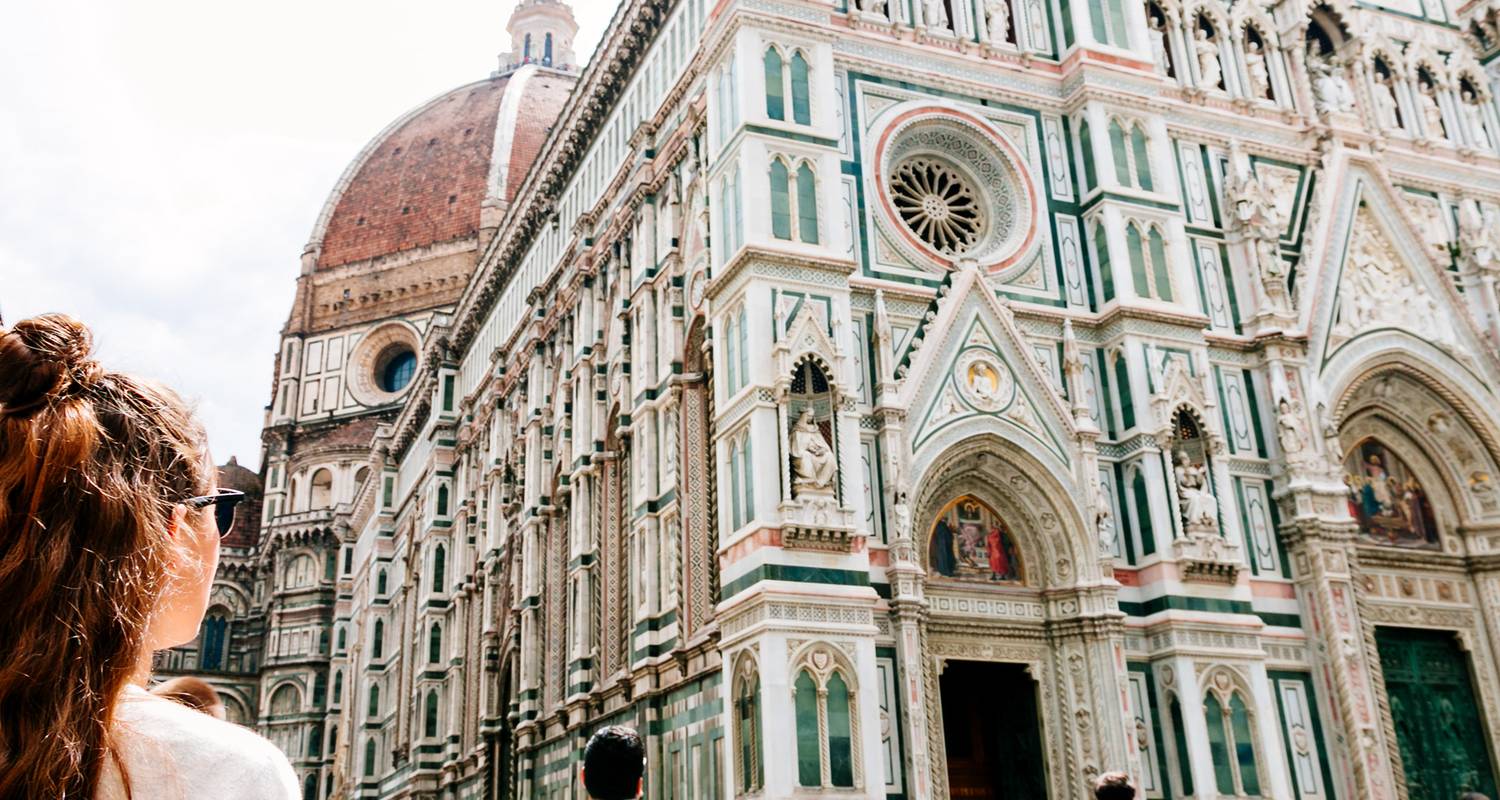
x: 1473, y: 796
x: 1114, y: 786
x: 613, y: 761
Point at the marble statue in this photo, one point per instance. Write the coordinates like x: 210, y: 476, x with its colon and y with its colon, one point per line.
x: 1257, y: 72
x: 1290, y: 430
x: 997, y: 19
x: 1473, y: 111
x: 934, y: 15
x: 1432, y: 115
x: 1198, y: 505
x: 1160, y: 46
x: 812, y: 460
x: 1330, y: 89
x: 1210, y: 72
x: 1387, y: 112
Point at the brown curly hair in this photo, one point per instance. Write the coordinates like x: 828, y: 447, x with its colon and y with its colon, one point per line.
x: 92, y: 466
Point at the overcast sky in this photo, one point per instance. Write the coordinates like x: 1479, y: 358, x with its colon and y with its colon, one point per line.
x: 162, y: 163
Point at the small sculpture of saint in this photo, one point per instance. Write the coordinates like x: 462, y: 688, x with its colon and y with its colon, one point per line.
x: 1199, y: 506
x: 812, y: 460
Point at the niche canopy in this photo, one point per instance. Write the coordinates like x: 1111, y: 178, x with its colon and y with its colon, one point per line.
x: 953, y: 188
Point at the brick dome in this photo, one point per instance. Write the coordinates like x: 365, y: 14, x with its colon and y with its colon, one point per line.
x: 425, y: 178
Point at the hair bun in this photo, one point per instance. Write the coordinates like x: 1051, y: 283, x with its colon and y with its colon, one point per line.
x: 42, y: 357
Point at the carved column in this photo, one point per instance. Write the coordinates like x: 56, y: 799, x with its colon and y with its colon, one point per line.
x: 1320, y: 542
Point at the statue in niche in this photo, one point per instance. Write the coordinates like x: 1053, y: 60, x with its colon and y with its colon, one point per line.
x: 1432, y: 115
x: 1387, y: 111
x: 935, y: 15
x: 813, y: 464
x: 1474, y: 117
x: 1256, y: 70
x: 1476, y: 236
x: 1210, y: 73
x: 1291, y: 431
x: 1199, y: 507
x: 1257, y: 217
x: 1105, y: 524
x: 1330, y: 89
x: 1160, y: 45
x: 997, y: 21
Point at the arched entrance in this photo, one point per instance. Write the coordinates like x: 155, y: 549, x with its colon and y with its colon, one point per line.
x: 1022, y: 635
x: 1418, y: 470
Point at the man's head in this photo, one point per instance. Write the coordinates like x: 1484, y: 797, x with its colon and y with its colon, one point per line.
x: 613, y: 761
x: 1114, y: 786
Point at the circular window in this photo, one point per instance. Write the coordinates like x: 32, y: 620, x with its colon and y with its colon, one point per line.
x: 952, y: 188
x: 396, y: 366
x: 937, y: 203
x: 384, y: 364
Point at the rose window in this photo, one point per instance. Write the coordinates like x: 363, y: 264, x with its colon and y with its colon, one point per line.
x: 938, y: 204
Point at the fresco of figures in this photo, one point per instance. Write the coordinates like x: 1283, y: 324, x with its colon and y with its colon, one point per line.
x: 971, y: 542
x: 1387, y: 499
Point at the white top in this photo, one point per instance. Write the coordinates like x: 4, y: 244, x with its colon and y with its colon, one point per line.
x: 172, y: 752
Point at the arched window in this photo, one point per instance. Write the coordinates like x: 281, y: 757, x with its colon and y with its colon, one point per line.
x: 338, y: 686
x: 750, y: 776
x: 439, y: 567
x: 372, y: 711
x: 442, y: 500
x: 826, y: 723
x: 377, y: 643
x: 807, y: 204
x: 731, y: 342
x: 315, y: 741
x: 380, y: 584
x: 1161, y: 276
x: 320, y: 689
x: 735, y: 502
x: 781, y: 204
x: 775, y: 91
x: 801, y: 92
x: 287, y: 699
x: 435, y: 644
x: 430, y: 723
x: 1230, y: 740
x: 747, y: 475
x: 333, y: 738
x: 370, y: 757
x: 212, y: 640
x: 794, y: 202
x: 1101, y: 255
x: 1107, y: 19
x: 742, y: 331
x: 1148, y: 263
x: 1142, y: 158
x: 525, y: 55
x: 547, y: 50
x: 1119, y: 154
x: 343, y: 640
x: 322, y: 490
x: 1086, y: 147
x: 300, y: 572
x: 310, y: 786
x: 323, y: 642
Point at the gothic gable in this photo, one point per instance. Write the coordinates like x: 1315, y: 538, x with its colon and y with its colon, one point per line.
x: 972, y: 362
x: 1378, y: 276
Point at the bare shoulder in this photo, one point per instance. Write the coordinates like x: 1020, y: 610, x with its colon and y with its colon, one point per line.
x: 176, y: 748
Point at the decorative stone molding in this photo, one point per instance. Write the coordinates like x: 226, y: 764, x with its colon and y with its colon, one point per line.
x: 1207, y: 557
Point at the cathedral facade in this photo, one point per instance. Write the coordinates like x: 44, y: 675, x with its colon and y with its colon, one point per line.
x: 899, y: 399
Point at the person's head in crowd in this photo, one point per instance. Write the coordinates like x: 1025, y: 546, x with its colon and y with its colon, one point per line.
x: 195, y: 693
x: 1473, y: 796
x: 613, y: 763
x: 1114, y: 786
x: 109, y: 538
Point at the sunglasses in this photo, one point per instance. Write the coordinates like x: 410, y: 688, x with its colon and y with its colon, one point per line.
x: 223, y: 501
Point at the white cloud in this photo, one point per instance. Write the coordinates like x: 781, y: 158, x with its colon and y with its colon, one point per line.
x: 162, y: 163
